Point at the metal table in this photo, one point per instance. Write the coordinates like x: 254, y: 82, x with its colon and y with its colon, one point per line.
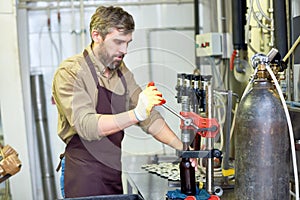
x: 149, y: 186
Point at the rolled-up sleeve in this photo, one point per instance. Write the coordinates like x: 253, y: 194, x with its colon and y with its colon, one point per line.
x: 75, y: 100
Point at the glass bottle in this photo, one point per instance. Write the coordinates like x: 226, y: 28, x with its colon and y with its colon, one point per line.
x: 187, y: 177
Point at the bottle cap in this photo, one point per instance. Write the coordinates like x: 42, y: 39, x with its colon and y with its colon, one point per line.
x: 214, y: 197
x: 190, y: 198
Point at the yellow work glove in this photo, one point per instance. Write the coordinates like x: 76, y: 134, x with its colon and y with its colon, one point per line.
x: 8, y: 150
x: 10, y: 163
x: 148, y: 98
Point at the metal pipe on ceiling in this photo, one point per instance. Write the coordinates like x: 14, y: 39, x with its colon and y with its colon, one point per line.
x: 196, y: 17
x: 197, y: 30
x: 82, y: 27
x: 31, y: 4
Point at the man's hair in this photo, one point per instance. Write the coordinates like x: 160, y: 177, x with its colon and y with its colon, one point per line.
x: 106, y: 18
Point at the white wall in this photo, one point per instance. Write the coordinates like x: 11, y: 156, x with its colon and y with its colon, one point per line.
x: 157, y: 54
x: 12, y: 101
x: 171, y: 52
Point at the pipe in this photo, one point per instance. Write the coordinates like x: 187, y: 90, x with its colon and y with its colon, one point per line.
x: 295, y: 21
x: 58, y: 55
x: 196, y: 17
x: 222, y: 27
x: 228, y: 128
x: 67, y: 4
x: 59, y: 32
x: 197, y: 30
x: 73, y: 25
x: 238, y: 23
x: 292, y: 49
x: 209, y: 141
x: 262, y: 12
x: 42, y: 131
x: 280, y: 26
x: 82, y: 27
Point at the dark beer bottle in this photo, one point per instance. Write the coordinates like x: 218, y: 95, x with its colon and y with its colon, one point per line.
x: 187, y: 177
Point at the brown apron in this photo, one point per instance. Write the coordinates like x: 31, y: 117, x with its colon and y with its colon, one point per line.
x: 94, y: 168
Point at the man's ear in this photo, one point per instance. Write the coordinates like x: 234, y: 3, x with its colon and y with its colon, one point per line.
x: 96, y: 37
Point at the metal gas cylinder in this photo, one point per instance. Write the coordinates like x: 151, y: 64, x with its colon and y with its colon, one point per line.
x: 261, y: 145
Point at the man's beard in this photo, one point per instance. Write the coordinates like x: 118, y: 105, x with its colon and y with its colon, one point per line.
x: 107, y: 61
x: 114, y: 65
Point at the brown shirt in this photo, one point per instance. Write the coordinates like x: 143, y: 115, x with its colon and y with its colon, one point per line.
x: 75, y: 93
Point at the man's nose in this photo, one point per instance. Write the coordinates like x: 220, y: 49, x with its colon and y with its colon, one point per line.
x: 123, y: 48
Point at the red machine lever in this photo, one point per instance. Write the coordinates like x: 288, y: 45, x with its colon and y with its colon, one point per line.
x: 208, y: 128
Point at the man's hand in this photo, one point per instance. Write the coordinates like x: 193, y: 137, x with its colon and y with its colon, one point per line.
x: 10, y: 165
x: 8, y: 150
x: 148, y: 98
x: 194, y: 161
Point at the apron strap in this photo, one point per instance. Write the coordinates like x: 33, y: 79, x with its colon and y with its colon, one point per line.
x: 91, y: 66
x: 61, y: 156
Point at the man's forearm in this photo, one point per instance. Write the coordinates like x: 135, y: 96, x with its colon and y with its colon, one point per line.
x: 162, y: 132
x: 110, y: 124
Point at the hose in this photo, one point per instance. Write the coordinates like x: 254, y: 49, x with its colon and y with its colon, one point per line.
x: 292, y: 49
x: 220, y: 116
x: 216, y: 73
x: 249, y: 84
x: 59, y: 32
x: 51, y: 37
x: 222, y: 105
x: 261, y: 24
x: 233, y: 120
x: 262, y: 12
x: 247, y: 26
x: 294, y: 159
x: 233, y: 55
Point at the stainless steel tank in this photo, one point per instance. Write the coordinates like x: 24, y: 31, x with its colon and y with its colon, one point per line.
x: 261, y: 145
